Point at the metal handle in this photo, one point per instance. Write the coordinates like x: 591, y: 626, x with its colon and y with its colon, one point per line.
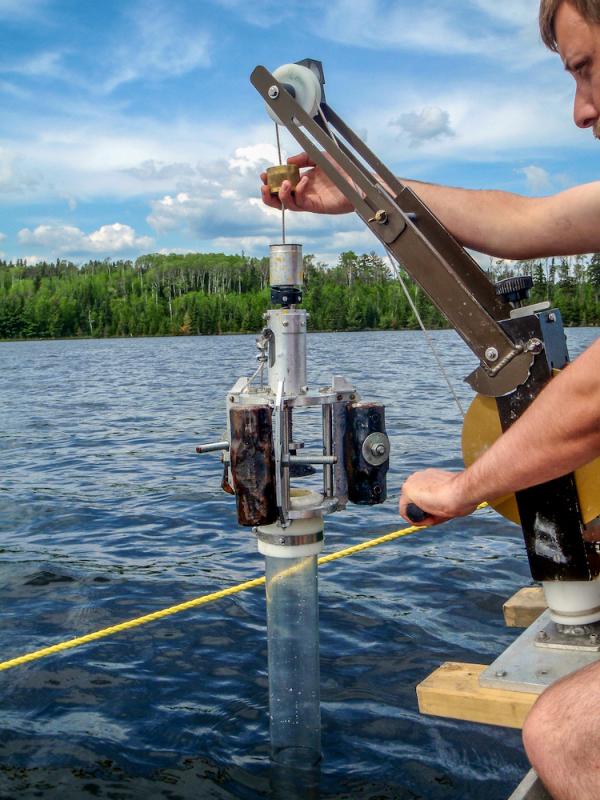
x: 212, y: 447
x: 415, y: 514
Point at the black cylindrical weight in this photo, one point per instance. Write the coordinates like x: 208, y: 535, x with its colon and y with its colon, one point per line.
x: 253, y: 464
x: 367, y: 453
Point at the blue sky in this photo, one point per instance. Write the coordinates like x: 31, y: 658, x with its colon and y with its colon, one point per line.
x: 131, y: 127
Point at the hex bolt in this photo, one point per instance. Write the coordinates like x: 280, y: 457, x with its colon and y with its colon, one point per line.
x: 535, y: 346
x: 273, y: 92
x: 285, y: 323
x: 491, y: 354
x: 378, y: 449
x: 593, y: 638
x: 500, y: 673
x: 282, y: 540
x: 542, y: 636
x: 552, y: 317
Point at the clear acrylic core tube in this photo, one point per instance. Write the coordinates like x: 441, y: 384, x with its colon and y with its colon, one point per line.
x: 293, y: 642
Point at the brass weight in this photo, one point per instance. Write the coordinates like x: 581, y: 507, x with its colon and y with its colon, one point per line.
x: 284, y: 172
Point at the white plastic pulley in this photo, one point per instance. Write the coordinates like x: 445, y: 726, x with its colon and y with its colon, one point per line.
x: 306, y: 87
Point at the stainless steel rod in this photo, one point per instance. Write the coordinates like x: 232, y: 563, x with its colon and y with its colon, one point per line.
x: 311, y: 459
x: 212, y: 446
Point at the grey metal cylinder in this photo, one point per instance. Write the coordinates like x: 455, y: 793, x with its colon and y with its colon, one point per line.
x: 285, y: 265
x: 287, y: 349
x: 293, y: 647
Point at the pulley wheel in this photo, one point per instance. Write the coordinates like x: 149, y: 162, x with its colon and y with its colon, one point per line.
x: 305, y: 83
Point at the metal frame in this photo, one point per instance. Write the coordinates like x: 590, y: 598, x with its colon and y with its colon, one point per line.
x: 413, y: 235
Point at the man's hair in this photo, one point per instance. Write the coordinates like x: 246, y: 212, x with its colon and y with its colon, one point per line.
x: 589, y: 10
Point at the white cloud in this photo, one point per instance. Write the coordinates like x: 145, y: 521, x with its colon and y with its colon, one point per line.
x: 20, y: 9
x: 438, y: 27
x: 253, y: 158
x: 514, y: 12
x: 490, y: 122
x: 69, y: 240
x: 431, y: 122
x: 152, y: 170
x: 46, y: 64
x: 2, y: 237
x: 157, y: 45
x: 538, y: 179
x: 31, y: 261
x: 249, y: 244
x: 14, y: 175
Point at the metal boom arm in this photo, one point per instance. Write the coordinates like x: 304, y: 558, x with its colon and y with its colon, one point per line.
x: 413, y: 235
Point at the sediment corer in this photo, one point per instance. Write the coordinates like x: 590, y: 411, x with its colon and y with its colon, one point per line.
x: 367, y: 454
x: 253, y: 464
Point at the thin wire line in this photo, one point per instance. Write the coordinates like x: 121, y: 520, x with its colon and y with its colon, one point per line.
x: 397, y: 271
x: 328, y: 129
x: 280, y: 164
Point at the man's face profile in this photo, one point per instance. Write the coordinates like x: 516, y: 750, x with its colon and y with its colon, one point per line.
x: 579, y: 47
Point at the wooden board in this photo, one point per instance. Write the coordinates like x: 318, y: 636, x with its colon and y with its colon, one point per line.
x: 453, y: 691
x: 524, y: 607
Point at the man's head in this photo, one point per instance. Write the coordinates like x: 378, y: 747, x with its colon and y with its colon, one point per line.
x: 588, y: 9
x: 572, y: 29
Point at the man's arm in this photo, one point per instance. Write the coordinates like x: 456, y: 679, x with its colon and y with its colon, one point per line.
x: 500, y: 224
x: 559, y: 432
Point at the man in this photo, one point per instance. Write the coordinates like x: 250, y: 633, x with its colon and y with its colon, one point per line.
x: 561, y: 429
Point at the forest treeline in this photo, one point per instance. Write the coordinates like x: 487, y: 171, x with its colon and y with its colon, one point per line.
x: 213, y: 293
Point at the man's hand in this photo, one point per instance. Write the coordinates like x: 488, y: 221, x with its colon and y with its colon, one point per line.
x: 314, y: 192
x: 438, y: 493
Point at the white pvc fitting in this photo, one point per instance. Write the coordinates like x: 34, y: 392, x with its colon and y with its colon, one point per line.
x: 573, y: 602
x: 313, y: 526
x: 306, y: 87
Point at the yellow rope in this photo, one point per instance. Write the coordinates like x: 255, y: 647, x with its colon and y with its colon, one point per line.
x: 69, y: 644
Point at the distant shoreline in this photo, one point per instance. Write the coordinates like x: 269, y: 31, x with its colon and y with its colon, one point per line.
x: 226, y: 333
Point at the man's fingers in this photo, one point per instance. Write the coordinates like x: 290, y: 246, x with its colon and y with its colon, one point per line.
x: 300, y: 191
x: 269, y: 199
x: 287, y: 198
x: 301, y: 160
x: 429, y: 519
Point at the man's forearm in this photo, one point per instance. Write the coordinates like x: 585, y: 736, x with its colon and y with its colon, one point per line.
x: 558, y: 433
x: 511, y: 226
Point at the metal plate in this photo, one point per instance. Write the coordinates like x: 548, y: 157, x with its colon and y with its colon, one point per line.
x: 482, y: 427
x: 525, y: 667
x: 514, y: 373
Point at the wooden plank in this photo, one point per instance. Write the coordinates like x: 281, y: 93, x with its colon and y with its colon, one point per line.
x: 524, y: 607
x: 453, y: 691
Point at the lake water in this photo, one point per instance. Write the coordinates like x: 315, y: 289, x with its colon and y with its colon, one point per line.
x: 107, y: 513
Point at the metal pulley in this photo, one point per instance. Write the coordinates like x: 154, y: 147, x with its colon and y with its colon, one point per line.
x: 302, y: 83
